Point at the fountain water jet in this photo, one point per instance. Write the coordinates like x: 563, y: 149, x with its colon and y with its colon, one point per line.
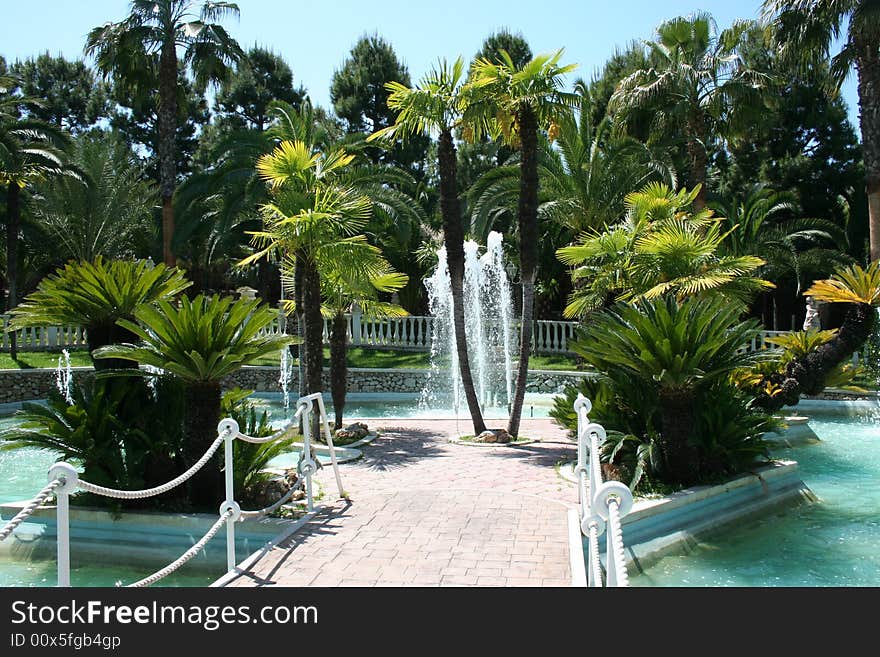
x: 64, y: 376
x: 488, y: 317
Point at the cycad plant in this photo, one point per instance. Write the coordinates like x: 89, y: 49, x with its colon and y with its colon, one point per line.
x: 95, y: 295
x: 118, y: 431
x: 680, y: 350
x: 200, y: 341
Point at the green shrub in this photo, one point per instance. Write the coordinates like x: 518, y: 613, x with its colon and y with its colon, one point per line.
x: 664, y: 382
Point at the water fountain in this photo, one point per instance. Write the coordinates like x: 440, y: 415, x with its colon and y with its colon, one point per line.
x: 64, y: 376
x: 285, y: 374
x: 488, y: 316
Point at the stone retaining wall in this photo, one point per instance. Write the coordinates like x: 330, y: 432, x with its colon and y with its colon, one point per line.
x: 27, y: 385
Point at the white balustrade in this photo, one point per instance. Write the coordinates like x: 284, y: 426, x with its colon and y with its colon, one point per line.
x: 412, y: 332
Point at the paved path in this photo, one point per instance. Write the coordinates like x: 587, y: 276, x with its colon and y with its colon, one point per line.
x: 425, y: 512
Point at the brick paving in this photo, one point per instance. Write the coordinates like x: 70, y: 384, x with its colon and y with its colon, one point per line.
x: 426, y: 512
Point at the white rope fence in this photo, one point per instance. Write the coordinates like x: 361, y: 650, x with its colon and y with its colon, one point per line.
x: 64, y: 480
x: 186, y: 556
x: 157, y: 490
x: 602, y: 504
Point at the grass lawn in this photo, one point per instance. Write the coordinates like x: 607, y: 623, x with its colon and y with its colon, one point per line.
x: 357, y: 357
x: 31, y: 359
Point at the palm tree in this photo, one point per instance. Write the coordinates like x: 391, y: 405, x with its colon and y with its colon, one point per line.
x: 696, y: 87
x: 661, y: 248
x: 30, y: 150
x: 515, y: 103
x: 768, y: 224
x: 584, y: 179
x: 436, y: 105
x: 806, y: 30
x: 200, y: 341
x: 314, y: 216
x: 359, y: 279
x: 807, y: 373
x: 108, y: 211
x: 141, y: 51
x: 218, y: 207
x: 96, y: 295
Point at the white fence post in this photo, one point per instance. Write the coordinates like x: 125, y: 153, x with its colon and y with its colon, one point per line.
x: 356, y: 330
x: 68, y: 474
x: 229, y: 429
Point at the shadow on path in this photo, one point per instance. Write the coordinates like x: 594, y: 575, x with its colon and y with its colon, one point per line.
x: 399, y: 447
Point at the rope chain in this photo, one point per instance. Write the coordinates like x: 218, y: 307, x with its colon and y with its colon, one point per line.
x: 30, y: 507
x: 617, y: 542
x: 595, y: 564
x: 269, y: 509
x: 186, y: 556
x: 158, y: 490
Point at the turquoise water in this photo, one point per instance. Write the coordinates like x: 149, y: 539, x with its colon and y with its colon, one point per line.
x: 23, y: 473
x: 831, y: 543
x: 14, y: 572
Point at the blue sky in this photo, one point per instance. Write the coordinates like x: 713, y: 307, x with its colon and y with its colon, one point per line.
x: 315, y: 37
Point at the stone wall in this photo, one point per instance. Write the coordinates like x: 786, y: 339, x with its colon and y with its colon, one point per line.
x: 27, y: 385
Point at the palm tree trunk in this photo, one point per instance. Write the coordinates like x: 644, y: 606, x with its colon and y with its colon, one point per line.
x: 699, y: 162
x: 527, y: 216
x: 678, y: 419
x: 202, y: 403
x: 313, y: 326
x: 167, y: 128
x: 338, y: 366
x: 811, y: 370
x: 868, y: 66
x: 453, y: 236
x: 13, y: 224
x: 807, y: 374
x: 298, y: 321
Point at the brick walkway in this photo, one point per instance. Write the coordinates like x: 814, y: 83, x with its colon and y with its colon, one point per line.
x: 424, y: 512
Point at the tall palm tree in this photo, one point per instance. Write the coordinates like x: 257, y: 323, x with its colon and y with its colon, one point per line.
x: 807, y: 30
x: 217, y: 207
x: 436, y: 105
x: 141, y: 51
x: 696, y: 86
x: 313, y: 216
x: 584, y: 179
x: 30, y: 150
x: 515, y: 103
